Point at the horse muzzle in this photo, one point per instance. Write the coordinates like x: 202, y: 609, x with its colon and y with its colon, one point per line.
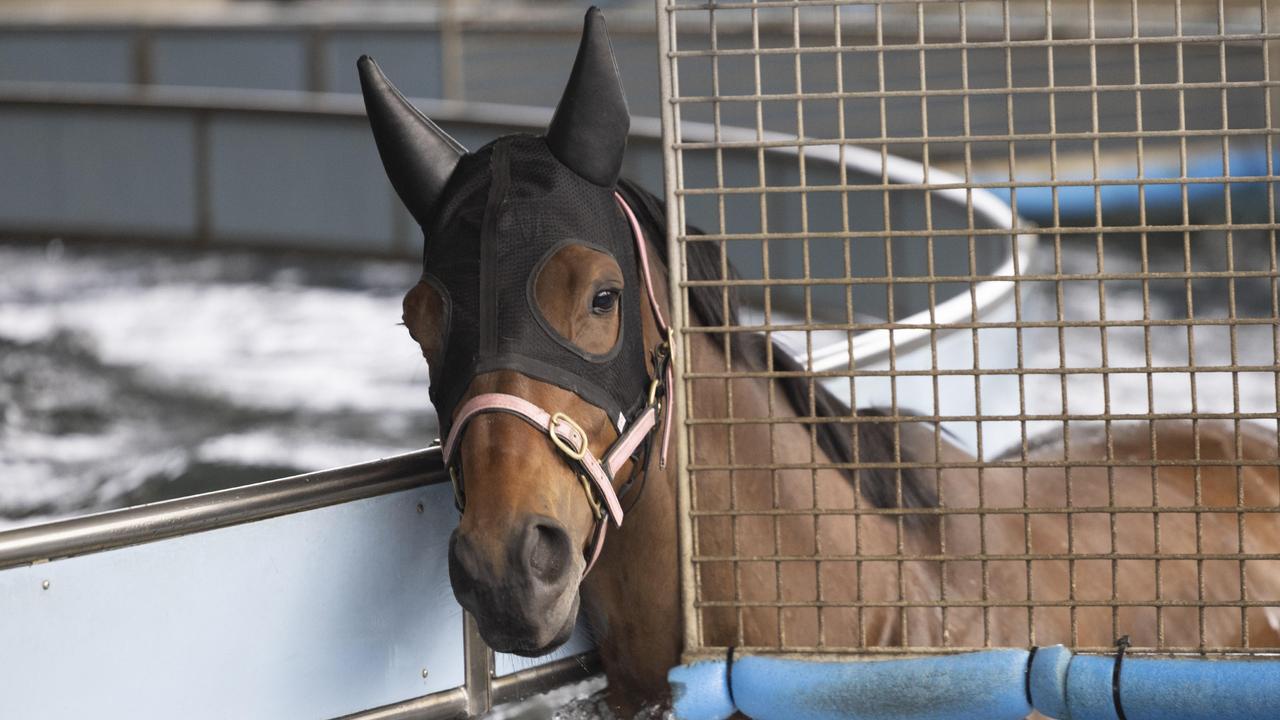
x: 522, y: 589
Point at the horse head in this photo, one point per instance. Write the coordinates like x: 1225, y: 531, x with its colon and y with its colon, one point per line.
x: 530, y: 316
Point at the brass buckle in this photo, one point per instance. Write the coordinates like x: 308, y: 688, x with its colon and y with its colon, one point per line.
x: 560, y: 443
x: 596, y: 509
x: 653, y: 390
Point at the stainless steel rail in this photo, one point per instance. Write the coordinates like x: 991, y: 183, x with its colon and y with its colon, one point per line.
x: 182, y: 516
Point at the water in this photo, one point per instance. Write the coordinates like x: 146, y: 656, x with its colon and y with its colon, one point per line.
x: 135, y: 374
x: 579, y: 701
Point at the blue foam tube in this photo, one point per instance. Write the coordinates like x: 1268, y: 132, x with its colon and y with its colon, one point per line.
x: 1081, y: 687
x: 1089, y: 694
x: 1047, y: 680
x: 1155, y: 689
x: 1076, y: 203
x: 700, y: 691
x: 975, y: 686
x: 989, y: 685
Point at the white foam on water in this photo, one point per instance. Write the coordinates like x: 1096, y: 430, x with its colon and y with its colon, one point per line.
x: 584, y: 700
x: 273, y: 347
x: 292, y: 448
x: 171, y: 358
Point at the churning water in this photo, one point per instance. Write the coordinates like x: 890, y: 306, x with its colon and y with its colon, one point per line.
x: 129, y: 375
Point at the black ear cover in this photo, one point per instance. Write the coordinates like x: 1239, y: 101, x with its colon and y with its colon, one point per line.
x: 418, y: 156
x: 588, y: 132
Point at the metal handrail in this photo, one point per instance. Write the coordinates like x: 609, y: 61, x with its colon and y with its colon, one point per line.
x: 223, y: 508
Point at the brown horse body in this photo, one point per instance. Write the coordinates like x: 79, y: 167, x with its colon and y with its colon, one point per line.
x: 985, y: 562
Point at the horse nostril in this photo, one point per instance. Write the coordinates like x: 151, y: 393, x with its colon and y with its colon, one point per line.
x: 462, y: 567
x: 548, y: 551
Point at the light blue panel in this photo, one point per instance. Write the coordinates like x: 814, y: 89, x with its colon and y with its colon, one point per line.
x: 506, y: 664
x: 411, y: 60
x: 310, y: 615
x: 85, y: 57
x: 97, y: 171
x: 987, y: 685
x: 230, y: 58
x: 316, y: 185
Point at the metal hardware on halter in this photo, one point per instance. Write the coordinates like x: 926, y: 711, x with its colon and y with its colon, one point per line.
x: 597, y: 510
x: 556, y: 419
x: 661, y: 361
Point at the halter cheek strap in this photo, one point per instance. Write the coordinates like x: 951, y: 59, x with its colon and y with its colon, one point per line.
x: 570, y: 439
x: 664, y: 371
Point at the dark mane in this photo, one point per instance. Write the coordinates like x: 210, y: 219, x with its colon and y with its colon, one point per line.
x: 875, y: 440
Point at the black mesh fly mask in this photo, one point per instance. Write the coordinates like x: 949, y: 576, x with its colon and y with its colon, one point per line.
x: 493, y: 234
x: 491, y: 220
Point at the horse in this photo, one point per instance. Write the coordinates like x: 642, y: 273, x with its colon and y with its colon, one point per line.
x: 541, y: 314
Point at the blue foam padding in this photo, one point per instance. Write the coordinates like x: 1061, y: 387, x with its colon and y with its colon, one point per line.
x: 700, y: 691
x: 1089, y: 695
x: 1076, y: 203
x: 1047, y: 681
x: 1152, y: 689
x: 989, y: 685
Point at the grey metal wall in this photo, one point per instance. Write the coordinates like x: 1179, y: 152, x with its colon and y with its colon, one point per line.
x: 243, y: 175
x: 263, y: 57
x: 505, y: 63
x: 236, y: 167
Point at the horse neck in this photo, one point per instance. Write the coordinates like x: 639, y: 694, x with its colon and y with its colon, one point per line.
x: 632, y: 597
x: 638, y: 577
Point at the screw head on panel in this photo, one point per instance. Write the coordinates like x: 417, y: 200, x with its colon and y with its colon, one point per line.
x: 424, y: 673
x: 44, y: 585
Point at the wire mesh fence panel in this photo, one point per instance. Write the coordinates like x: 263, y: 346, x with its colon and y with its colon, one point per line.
x: 1033, y: 243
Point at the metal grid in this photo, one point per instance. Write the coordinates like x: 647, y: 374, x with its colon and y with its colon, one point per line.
x: 1112, y: 467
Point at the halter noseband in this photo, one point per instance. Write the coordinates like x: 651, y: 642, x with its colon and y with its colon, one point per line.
x: 570, y: 439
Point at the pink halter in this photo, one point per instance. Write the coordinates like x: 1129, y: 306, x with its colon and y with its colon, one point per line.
x: 568, y: 437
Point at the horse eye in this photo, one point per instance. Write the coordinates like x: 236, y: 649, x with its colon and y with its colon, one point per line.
x: 604, y: 302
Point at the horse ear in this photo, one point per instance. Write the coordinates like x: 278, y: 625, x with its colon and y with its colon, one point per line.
x: 418, y: 156
x: 588, y: 132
